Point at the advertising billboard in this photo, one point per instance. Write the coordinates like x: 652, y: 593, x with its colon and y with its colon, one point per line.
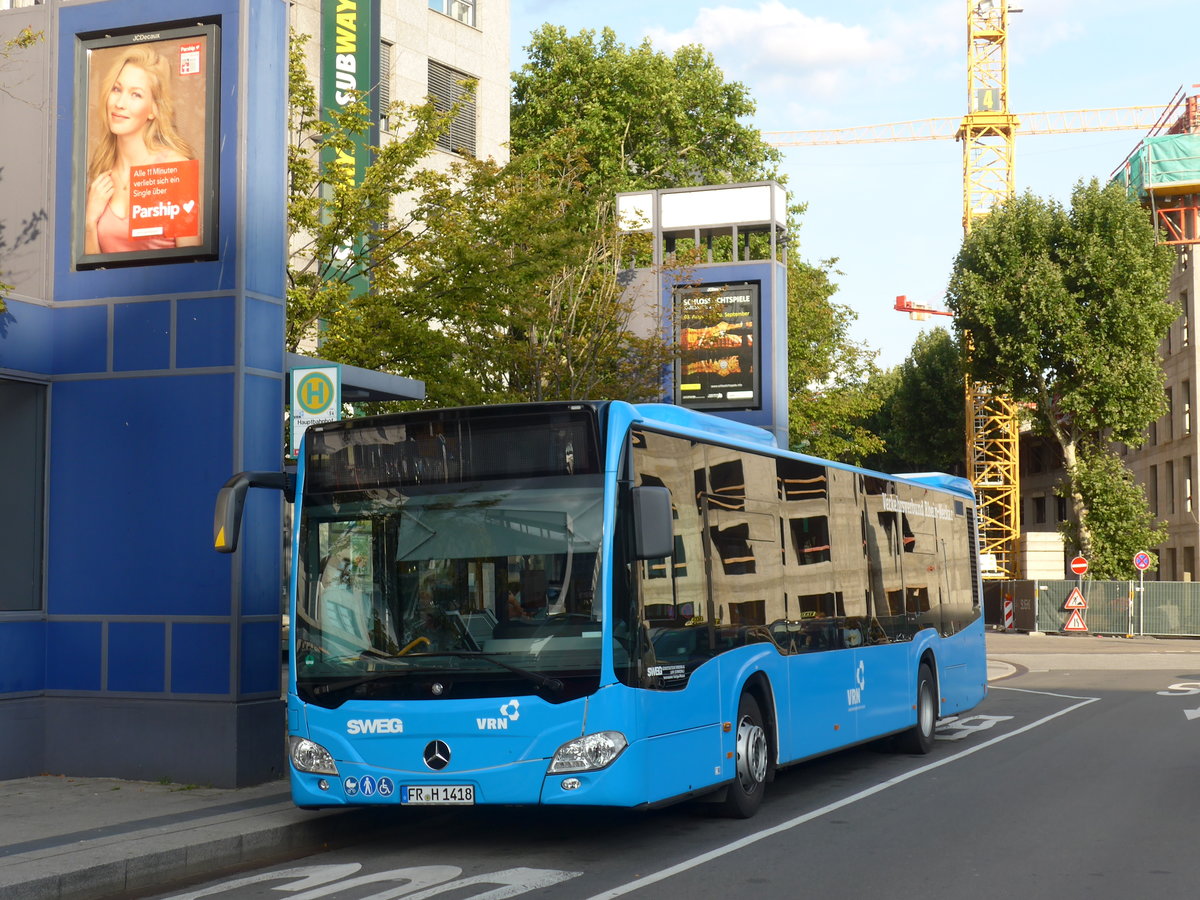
x: 349, y: 75
x: 145, y: 166
x: 719, y: 354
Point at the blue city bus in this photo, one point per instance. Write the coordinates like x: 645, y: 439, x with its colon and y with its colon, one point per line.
x: 607, y: 604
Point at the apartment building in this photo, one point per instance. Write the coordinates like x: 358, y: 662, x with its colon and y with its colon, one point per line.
x: 427, y: 47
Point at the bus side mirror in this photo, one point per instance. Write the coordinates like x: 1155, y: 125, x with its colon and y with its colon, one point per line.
x: 227, y: 518
x: 652, y: 534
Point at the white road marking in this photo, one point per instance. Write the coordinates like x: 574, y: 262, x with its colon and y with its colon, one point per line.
x: 413, y: 882
x: 717, y: 853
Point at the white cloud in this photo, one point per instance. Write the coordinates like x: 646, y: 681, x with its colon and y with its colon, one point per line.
x: 779, y: 49
x: 778, y: 41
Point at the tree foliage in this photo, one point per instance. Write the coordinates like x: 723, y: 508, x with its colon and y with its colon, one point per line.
x: 922, y: 417
x: 641, y: 118
x: 1063, y: 309
x: 1121, y: 525
x: 489, y: 283
x: 830, y: 398
x: 510, y: 293
x: 929, y: 415
x: 327, y: 212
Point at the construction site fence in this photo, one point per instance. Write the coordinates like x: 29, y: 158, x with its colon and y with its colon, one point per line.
x: 1150, y: 608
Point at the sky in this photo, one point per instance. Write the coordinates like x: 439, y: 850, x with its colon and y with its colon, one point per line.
x: 891, y: 213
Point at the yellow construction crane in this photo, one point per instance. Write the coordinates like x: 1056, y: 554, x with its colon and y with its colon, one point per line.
x: 987, y: 133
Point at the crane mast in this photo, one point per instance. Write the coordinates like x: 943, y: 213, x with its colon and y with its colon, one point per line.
x: 988, y: 135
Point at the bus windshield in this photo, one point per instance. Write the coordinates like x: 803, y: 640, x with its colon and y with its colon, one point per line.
x: 477, y: 589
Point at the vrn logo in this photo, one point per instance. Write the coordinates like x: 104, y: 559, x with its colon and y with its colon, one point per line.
x: 854, y: 694
x: 508, y: 713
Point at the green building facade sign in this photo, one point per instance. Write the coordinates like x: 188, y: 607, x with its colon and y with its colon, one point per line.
x: 350, y: 72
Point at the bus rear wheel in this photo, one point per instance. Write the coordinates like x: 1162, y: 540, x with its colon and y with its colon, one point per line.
x: 919, y: 739
x: 744, y: 796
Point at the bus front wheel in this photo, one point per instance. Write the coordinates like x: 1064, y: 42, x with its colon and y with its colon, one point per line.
x: 745, y: 794
x: 919, y: 738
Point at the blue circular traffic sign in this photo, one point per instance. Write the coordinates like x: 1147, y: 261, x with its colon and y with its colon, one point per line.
x: 1142, y: 561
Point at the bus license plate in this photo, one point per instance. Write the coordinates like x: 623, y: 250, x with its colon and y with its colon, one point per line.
x: 438, y: 795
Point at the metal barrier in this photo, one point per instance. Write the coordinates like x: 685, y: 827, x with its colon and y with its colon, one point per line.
x: 1154, y: 608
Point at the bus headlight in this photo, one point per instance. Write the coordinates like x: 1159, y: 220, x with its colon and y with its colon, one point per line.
x: 588, y: 753
x: 308, y: 756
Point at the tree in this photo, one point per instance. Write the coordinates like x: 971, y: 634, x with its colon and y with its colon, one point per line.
x: 490, y: 283
x: 1063, y: 310
x: 340, y: 230
x: 828, y: 374
x: 641, y: 118
x: 922, y: 417
x: 511, y: 292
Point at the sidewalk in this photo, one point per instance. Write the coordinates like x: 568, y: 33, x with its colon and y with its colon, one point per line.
x: 80, y: 838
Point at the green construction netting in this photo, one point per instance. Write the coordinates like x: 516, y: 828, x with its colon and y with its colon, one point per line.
x: 1172, y: 159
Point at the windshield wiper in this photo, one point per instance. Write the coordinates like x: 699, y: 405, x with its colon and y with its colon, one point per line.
x: 547, y: 681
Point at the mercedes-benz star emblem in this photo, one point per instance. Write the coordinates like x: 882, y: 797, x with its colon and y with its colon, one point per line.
x: 437, y: 755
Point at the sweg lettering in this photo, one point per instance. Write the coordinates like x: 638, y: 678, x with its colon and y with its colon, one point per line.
x: 170, y: 210
x: 375, y: 726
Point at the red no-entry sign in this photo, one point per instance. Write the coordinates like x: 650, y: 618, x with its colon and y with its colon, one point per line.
x: 1079, y: 565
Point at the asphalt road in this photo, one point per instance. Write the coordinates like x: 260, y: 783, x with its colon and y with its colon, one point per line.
x: 1076, y: 778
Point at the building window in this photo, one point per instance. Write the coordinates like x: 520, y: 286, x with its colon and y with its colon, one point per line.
x: 1036, y: 456
x: 1187, y: 484
x: 1152, y: 489
x: 1060, y: 509
x: 447, y: 88
x: 1187, y: 407
x: 1039, y: 510
x: 463, y: 10
x: 1170, y: 413
x: 385, y: 84
x: 1170, y: 475
x: 1185, y: 319
x: 1189, y: 563
x: 22, y: 459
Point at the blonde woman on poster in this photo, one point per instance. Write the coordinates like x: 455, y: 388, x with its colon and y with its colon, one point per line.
x: 138, y: 129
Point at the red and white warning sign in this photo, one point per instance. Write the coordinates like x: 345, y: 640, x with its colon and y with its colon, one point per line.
x: 1075, y: 622
x: 1075, y: 600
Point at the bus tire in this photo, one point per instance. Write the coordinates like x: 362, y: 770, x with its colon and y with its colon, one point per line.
x: 919, y: 739
x: 744, y: 796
